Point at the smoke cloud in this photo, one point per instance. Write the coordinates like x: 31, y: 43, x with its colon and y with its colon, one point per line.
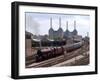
x: 32, y: 25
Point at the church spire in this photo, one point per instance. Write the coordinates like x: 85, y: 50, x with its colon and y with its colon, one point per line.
x: 66, y: 25
x: 74, y: 25
x: 60, y: 22
x: 51, y: 22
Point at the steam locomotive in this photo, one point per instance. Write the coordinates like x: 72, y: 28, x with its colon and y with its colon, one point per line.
x: 56, y: 51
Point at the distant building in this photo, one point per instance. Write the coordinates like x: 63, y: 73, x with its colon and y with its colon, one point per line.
x: 59, y: 34
x: 55, y: 34
x: 28, y: 44
x: 74, y: 31
x: 28, y: 35
x: 68, y: 34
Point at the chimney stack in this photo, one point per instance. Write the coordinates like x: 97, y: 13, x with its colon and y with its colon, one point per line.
x: 74, y: 25
x: 67, y: 25
x: 51, y: 22
x: 60, y: 22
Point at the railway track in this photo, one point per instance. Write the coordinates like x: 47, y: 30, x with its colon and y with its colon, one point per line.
x: 78, y: 60
x: 68, y: 48
x: 56, y: 60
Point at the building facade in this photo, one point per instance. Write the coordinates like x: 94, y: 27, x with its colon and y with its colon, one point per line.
x: 59, y: 34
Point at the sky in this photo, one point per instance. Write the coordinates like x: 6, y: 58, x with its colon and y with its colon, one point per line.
x: 39, y: 23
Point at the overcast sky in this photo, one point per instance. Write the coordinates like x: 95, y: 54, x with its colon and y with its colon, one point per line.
x: 39, y: 23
